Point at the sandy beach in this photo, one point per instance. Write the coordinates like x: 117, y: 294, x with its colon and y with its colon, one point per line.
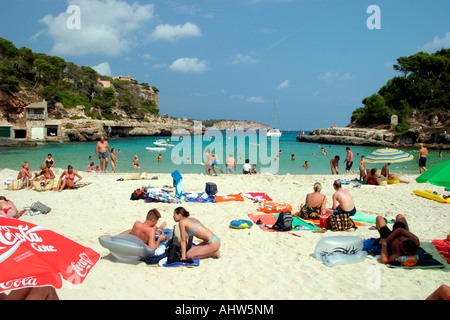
x: 254, y: 264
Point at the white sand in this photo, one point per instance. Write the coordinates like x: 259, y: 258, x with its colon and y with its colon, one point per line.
x: 254, y: 264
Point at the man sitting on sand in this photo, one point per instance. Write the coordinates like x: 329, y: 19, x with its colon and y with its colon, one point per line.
x: 344, y: 199
x: 147, y: 230
x: 25, y: 174
x: 371, y: 176
x: 399, y: 240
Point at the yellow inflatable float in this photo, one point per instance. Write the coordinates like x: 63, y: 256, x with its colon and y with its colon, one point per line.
x: 432, y: 195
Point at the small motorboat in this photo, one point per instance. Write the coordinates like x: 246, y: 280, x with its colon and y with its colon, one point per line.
x: 163, y: 143
x: 155, y: 149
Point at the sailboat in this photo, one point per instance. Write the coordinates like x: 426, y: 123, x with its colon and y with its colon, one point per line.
x: 274, y: 132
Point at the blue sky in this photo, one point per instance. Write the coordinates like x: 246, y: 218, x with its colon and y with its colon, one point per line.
x: 231, y: 59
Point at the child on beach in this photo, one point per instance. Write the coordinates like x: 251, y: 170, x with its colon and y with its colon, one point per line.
x: 362, y: 168
x: 136, y: 162
x: 147, y: 230
x: 114, y: 159
x: 25, y: 174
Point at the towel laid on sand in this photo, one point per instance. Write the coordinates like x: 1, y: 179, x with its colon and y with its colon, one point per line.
x: 426, y: 260
x: 163, y: 263
x: 198, y: 197
x: 258, y: 196
x: 228, y: 197
x: 271, y: 219
x: 443, y: 247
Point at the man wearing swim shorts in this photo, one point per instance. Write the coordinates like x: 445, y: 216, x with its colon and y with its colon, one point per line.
x: 400, y: 241
x: 101, y: 152
x: 344, y: 199
x: 348, y: 159
x: 422, y: 158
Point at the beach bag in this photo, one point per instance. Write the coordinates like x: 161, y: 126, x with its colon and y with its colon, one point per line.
x: 211, y: 188
x: 138, y: 195
x: 341, y: 222
x: 284, y: 221
x: 325, y: 221
x: 40, y: 207
x: 15, y: 185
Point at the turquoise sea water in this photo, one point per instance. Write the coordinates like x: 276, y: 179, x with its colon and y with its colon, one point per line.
x: 260, y: 149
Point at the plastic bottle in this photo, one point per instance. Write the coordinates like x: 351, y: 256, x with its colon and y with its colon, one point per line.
x: 35, y: 213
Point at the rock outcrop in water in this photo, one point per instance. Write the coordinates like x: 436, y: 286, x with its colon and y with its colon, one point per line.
x: 438, y: 138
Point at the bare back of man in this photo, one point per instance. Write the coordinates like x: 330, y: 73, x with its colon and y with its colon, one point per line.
x: 344, y: 199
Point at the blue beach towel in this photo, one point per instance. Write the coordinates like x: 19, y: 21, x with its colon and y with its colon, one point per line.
x: 177, y: 183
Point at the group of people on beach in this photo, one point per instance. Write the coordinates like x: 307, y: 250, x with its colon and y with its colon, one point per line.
x: 186, y: 229
x: 45, y: 177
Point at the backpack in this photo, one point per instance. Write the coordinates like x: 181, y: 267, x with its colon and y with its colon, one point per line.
x: 284, y: 221
x: 138, y: 195
x: 211, y: 188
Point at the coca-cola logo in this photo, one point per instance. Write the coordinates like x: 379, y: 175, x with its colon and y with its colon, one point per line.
x: 19, y: 283
x: 12, y: 237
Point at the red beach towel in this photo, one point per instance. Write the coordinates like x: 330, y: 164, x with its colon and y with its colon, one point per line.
x: 260, y: 196
x: 443, y: 247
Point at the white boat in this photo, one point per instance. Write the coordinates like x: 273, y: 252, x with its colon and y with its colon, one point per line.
x: 274, y: 132
x: 155, y: 149
x: 163, y: 143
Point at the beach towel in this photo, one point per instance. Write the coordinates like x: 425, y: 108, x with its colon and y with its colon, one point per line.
x: 317, y: 221
x: 361, y: 217
x: 426, y: 260
x: 443, y: 247
x: 163, y: 263
x: 271, y: 219
x: 177, y: 183
x: 159, y: 195
x: 199, y: 197
x: 228, y: 197
x: 258, y: 196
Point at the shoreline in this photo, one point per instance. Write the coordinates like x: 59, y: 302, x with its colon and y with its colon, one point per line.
x: 263, y: 259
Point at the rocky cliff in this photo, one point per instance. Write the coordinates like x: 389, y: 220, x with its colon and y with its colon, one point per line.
x: 437, y: 138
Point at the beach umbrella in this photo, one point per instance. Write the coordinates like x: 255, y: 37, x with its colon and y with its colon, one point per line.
x: 32, y: 256
x: 388, y: 155
x: 439, y: 175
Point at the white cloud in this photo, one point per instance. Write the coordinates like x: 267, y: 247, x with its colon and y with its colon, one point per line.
x: 103, y: 69
x: 438, y: 43
x: 173, y: 33
x: 159, y: 66
x: 239, y: 58
x: 106, y: 27
x: 332, y: 76
x: 255, y: 100
x: 283, y: 85
x: 189, y: 65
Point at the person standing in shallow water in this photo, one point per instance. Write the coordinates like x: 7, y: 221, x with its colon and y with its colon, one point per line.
x: 101, y: 152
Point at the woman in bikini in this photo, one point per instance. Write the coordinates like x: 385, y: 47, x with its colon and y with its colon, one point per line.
x: 8, y: 208
x: 49, y: 161
x: 67, y: 179
x: 114, y: 159
x: 315, y: 204
x: 335, y: 165
x: 190, y: 227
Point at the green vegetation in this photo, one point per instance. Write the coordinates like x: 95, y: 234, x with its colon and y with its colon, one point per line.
x: 423, y: 89
x: 56, y: 80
